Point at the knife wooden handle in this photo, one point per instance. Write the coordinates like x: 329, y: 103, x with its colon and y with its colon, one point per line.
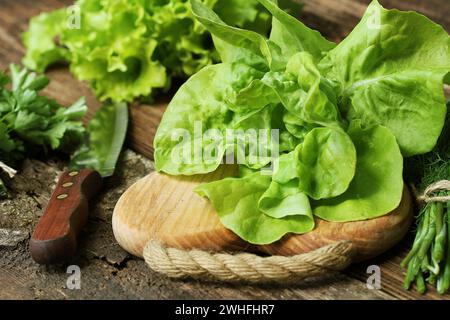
x: 55, y: 238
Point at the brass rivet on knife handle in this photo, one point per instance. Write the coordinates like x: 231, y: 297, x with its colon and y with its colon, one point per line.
x: 55, y: 237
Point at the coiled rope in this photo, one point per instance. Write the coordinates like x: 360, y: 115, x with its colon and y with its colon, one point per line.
x: 246, y: 267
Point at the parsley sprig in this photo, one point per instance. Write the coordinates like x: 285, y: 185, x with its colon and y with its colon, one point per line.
x: 31, y: 123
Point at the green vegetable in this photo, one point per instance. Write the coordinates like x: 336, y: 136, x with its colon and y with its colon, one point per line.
x: 325, y: 164
x: 443, y: 282
x: 345, y: 115
x: 42, y: 49
x: 130, y: 48
x: 234, y: 200
x: 31, y: 123
x: 437, y: 255
x: 430, y: 253
x: 377, y: 186
x: 391, y: 70
x: 191, y: 105
x: 313, y: 169
x: 291, y: 36
x: 420, y: 283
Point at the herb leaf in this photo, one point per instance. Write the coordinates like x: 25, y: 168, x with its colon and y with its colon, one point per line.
x: 31, y: 123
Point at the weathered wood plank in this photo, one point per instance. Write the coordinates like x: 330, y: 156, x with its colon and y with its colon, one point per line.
x: 334, y: 19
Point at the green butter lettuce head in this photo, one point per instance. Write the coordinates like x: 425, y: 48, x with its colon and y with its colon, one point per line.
x: 391, y: 68
x: 377, y: 186
x: 235, y: 200
x: 346, y: 115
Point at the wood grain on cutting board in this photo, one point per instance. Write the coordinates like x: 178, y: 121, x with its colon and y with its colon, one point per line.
x: 334, y: 18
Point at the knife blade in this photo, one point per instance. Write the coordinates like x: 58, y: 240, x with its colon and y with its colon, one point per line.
x: 55, y: 237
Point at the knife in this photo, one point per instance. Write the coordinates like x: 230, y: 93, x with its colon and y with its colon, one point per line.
x: 55, y: 237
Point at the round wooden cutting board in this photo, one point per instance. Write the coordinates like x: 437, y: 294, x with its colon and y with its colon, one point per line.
x: 165, y: 208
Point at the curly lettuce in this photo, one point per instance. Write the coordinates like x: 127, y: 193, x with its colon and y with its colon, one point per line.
x: 129, y: 49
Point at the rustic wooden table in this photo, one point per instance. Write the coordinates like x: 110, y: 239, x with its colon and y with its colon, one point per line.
x: 108, y: 272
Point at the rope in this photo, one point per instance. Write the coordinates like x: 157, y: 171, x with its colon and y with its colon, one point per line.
x: 246, y: 267
x: 427, y: 196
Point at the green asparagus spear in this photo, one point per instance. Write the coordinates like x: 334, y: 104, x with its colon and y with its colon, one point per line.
x: 441, y: 235
x: 422, y: 229
x: 420, y: 283
x: 429, y: 237
x: 410, y: 277
x: 443, y: 283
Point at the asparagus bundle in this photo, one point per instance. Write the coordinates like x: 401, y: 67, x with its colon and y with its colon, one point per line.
x: 429, y: 258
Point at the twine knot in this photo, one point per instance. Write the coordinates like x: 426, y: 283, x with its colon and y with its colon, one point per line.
x: 428, y: 194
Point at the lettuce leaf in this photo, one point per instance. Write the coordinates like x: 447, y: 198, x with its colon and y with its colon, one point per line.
x: 304, y: 92
x: 326, y: 163
x: 234, y: 200
x: 42, y: 50
x: 391, y: 69
x: 233, y: 44
x: 377, y: 186
x: 177, y: 146
x: 129, y: 49
x: 292, y: 36
x: 191, y: 140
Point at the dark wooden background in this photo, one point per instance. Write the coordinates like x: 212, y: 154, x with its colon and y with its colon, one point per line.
x: 335, y: 19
